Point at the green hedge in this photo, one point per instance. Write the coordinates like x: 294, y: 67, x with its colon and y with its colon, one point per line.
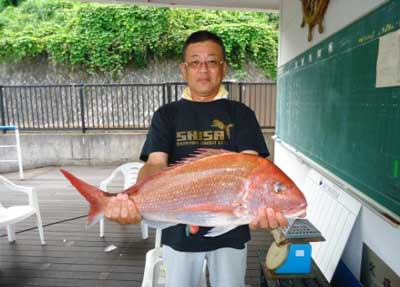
x: 105, y: 38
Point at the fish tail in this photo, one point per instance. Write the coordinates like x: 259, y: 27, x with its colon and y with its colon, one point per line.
x: 95, y: 196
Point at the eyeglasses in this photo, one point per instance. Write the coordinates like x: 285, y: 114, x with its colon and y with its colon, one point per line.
x: 211, y: 64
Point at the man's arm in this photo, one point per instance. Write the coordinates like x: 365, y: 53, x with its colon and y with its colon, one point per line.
x: 123, y: 210
x: 156, y: 162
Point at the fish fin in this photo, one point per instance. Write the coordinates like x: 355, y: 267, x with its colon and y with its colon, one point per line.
x: 199, y: 154
x: 193, y: 229
x: 219, y: 230
x: 92, y: 194
x: 158, y: 224
x: 94, y: 219
x: 204, y: 152
x: 134, y: 189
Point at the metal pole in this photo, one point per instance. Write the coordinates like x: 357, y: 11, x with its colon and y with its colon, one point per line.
x: 3, y: 117
x: 169, y: 92
x: 240, y: 93
x: 81, y: 95
x: 18, y: 144
x: 228, y: 86
x: 164, y: 94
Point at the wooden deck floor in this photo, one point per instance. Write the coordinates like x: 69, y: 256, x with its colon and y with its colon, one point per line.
x: 74, y: 255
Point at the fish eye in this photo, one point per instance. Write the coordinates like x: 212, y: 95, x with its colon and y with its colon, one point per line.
x: 279, y: 187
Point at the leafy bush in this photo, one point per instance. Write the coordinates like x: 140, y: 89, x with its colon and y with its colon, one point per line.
x: 5, y: 3
x: 106, y: 38
x: 43, y: 9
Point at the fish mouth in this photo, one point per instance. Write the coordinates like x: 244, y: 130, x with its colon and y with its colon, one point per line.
x: 299, y: 213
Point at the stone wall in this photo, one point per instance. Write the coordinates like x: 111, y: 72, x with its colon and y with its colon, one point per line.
x: 39, y: 71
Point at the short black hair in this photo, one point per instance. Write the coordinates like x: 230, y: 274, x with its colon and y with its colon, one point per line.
x: 202, y: 36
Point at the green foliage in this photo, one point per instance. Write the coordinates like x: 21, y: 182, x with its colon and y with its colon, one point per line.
x: 248, y: 37
x: 5, y: 3
x: 249, y: 43
x: 45, y: 10
x: 106, y: 38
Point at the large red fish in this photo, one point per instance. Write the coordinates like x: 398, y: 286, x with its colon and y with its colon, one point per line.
x: 213, y: 188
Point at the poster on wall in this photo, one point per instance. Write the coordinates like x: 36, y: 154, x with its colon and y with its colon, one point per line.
x: 375, y: 272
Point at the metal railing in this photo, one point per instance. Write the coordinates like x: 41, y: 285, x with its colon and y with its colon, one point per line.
x: 112, y: 106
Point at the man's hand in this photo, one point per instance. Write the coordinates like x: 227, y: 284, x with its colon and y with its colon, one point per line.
x: 267, y: 218
x: 121, y: 209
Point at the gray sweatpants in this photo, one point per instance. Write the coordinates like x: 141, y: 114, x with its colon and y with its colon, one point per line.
x: 226, y: 267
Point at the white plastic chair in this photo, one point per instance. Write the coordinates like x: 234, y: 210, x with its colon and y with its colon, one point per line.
x: 9, y: 216
x: 130, y: 172
x: 17, y: 146
x: 154, y: 271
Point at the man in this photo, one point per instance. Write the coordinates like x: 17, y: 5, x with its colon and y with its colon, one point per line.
x: 202, y: 118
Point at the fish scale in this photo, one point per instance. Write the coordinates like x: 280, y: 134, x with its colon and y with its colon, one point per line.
x: 205, y: 190
x: 195, y: 186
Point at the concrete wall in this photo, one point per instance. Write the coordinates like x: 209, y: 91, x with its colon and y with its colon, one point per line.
x: 370, y: 228
x: 47, y: 149
x: 39, y: 71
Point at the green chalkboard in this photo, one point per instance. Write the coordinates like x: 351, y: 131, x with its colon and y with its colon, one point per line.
x: 330, y: 109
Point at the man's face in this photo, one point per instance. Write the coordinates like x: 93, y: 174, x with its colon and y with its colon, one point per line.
x: 203, y: 70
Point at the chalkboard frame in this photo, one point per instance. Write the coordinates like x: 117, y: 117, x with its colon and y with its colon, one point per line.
x: 329, y: 109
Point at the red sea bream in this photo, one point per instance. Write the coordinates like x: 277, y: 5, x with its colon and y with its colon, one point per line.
x: 215, y: 188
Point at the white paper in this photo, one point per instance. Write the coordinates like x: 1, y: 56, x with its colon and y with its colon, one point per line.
x: 333, y: 212
x: 388, y: 63
x: 110, y: 248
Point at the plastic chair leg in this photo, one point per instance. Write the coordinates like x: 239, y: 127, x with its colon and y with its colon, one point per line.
x: 101, y: 224
x: 159, y: 275
x: 40, y: 228
x: 158, y: 238
x: 18, y: 145
x: 11, y: 232
x: 154, y: 271
x: 145, y: 230
x: 152, y: 267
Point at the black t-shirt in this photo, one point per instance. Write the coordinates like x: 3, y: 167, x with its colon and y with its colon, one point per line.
x: 180, y: 128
